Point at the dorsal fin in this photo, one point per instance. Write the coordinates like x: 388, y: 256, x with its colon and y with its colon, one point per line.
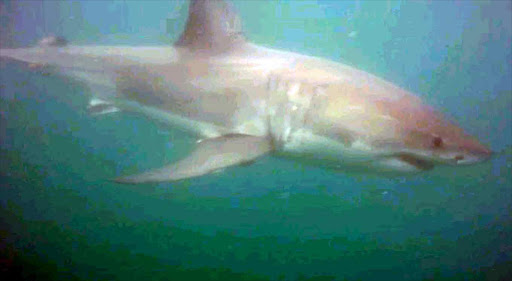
x: 212, y: 26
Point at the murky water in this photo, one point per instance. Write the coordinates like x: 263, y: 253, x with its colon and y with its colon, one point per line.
x: 61, y: 217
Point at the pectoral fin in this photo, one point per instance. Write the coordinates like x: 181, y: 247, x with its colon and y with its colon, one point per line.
x: 210, y: 155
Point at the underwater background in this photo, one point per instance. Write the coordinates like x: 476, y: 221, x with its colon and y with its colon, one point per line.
x: 61, y: 218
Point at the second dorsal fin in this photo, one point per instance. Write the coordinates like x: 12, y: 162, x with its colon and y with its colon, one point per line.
x: 212, y: 27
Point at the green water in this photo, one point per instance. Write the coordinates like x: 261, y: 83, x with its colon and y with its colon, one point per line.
x: 60, y: 217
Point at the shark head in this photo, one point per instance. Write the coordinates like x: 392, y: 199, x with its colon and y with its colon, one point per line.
x: 422, y: 138
x: 392, y: 126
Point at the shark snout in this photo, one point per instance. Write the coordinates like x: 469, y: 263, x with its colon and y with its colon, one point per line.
x: 472, y: 152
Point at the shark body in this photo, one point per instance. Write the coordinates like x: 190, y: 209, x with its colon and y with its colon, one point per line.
x: 243, y: 101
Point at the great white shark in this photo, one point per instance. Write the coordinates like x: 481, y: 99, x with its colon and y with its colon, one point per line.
x: 243, y: 101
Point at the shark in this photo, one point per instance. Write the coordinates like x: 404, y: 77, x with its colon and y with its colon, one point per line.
x: 243, y: 101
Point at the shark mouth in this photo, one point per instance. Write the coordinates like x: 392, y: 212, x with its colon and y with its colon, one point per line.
x: 420, y: 164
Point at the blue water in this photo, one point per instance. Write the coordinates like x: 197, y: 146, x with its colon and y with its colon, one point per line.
x: 60, y: 217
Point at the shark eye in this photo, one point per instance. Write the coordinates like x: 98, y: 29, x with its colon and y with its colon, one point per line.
x: 437, y: 142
